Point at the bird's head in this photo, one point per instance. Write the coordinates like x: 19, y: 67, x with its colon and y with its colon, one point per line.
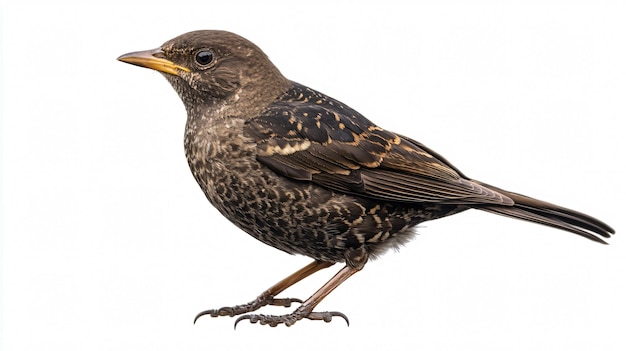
x: 213, y: 68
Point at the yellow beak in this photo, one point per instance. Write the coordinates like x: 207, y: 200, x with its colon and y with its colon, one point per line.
x: 150, y: 59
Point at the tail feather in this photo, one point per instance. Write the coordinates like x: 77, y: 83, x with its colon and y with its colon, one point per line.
x: 537, y: 211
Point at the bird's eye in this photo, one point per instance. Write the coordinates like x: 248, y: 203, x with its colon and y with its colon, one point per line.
x: 204, y: 57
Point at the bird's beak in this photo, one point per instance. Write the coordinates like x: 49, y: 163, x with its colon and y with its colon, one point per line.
x: 151, y: 59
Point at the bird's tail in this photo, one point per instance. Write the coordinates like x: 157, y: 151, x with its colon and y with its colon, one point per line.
x: 545, y: 213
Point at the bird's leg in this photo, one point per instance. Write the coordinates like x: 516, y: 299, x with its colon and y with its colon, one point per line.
x: 355, y: 260
x: 267, y: 297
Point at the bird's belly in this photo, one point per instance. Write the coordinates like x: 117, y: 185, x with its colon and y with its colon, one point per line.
x: 300, y: 217
x: 295, y: 218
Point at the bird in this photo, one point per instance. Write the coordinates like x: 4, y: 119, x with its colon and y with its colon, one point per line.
x: 307, y: 174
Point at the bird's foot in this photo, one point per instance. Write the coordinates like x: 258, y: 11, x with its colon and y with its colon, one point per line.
x: 260, y: 301
x: 292, y: 318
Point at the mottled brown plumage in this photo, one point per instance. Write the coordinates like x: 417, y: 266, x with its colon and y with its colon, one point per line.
x: 308, y: 175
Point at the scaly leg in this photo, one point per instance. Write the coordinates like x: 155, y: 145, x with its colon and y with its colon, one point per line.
x: 267, y: 297
x: 355, y: 260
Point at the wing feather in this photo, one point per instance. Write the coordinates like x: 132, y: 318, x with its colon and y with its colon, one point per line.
x: 308, y: 136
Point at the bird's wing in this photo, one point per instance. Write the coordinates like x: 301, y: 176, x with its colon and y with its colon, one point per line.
x: 308, y: 136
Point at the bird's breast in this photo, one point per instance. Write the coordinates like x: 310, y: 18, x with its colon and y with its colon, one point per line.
x: 219, y: 154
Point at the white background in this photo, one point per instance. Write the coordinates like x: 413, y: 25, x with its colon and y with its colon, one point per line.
x: 108, y: 243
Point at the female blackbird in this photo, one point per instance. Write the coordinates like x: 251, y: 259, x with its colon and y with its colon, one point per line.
x: 308, y: 175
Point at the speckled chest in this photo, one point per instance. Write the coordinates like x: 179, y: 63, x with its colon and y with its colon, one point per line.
x: 222, y: 160
x: 295, y: 217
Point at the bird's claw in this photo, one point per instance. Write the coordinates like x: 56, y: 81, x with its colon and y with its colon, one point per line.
x: 291, y: 319
x: 249, y: 307
x: 328, y: 316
